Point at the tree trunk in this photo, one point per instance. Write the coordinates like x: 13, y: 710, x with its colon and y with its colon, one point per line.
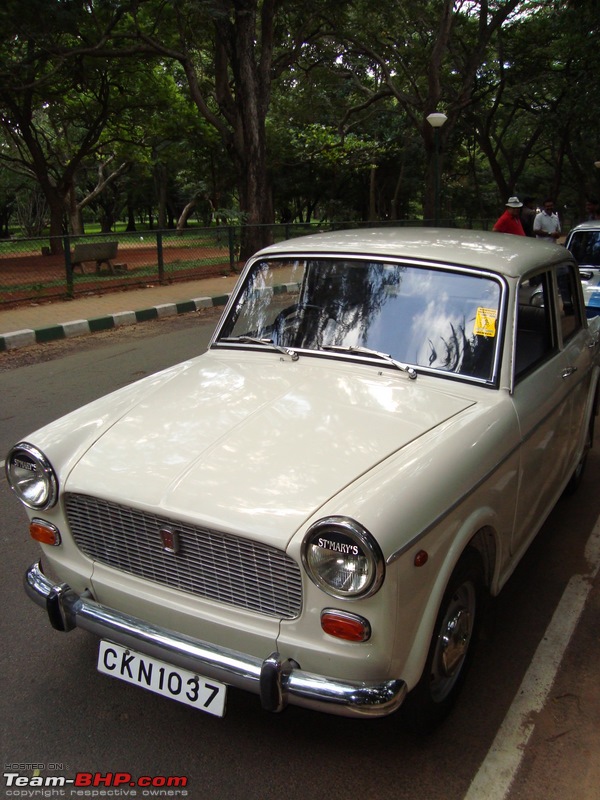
x: 251, y: 68
x: 185, y: 214
x: 131, y: 226
x: 434, y: 185
x: 75, y: 215
x: 56, y: 204
x: 256, y: 203
x: 395, y: 210
x: 160, y: 185
x: 372, y: 195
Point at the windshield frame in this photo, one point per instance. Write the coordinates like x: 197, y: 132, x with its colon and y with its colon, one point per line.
x: 218, y: 341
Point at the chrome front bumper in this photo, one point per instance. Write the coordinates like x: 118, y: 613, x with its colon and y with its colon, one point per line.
x: 277, y: 681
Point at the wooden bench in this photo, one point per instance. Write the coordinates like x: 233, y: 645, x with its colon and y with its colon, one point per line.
x: 100, y: 253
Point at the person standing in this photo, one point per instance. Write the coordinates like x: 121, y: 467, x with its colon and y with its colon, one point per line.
x: 509, y: 221
x: 547, y: 224
x: 592, y: 208
x: 528, y: 213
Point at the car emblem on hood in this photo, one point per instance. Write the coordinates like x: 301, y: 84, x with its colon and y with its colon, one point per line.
x: 170, y: 540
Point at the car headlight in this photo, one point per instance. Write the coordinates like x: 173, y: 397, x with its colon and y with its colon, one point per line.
x: 31, y: 477
x: 342, y: 558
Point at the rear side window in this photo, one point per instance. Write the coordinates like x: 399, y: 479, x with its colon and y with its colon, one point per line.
x: 549, y: 296
x: 534, y: 340
x: 568, y: 301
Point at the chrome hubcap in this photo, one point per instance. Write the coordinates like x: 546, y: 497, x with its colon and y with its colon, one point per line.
x: 453, y: 641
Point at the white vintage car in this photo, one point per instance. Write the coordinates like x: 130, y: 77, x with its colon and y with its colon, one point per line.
x: 315, y: 509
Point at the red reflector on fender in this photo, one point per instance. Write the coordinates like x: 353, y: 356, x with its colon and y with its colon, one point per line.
x: 346, y: 626
x: 44, y: 532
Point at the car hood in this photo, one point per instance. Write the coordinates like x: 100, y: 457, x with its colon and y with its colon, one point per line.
x: 253, y: 443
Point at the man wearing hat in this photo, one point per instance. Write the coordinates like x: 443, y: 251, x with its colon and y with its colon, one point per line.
x: 510, y: 221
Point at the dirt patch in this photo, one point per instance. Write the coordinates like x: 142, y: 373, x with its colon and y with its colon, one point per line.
x: 28, y: 277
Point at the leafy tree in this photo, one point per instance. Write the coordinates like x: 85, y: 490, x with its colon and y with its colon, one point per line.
x: 530, y: 103
x: 63, y: 113
x: 575, y: 128
x: 427, y: 56
x: 230, y: 53
x: 52, y: 114
x: 185, y: 107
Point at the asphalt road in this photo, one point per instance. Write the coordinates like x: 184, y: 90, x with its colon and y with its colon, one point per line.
x: 59, y: 715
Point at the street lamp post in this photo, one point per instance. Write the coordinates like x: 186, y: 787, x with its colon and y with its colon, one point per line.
x: 436, y: 120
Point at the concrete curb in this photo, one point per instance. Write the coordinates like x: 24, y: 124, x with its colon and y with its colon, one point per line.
x: 64, y: 330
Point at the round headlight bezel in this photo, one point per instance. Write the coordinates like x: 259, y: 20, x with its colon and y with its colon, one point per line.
x: 344, y: 539
x: 46, y: 493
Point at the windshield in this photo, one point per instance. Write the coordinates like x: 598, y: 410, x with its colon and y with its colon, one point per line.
x: 585, y: 246
x: 436, y: 319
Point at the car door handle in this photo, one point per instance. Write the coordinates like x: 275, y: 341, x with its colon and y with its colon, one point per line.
x: 566, y: 373
x: 593, y: 343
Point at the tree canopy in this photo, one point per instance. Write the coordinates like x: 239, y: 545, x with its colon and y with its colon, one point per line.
x: 269, y: 110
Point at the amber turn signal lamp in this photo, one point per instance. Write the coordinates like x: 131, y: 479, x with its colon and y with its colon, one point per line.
x: 346, y: 626
x: 421, y: 558
x: 44, y: 532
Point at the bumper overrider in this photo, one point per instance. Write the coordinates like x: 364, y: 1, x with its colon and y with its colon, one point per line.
x: 277, y: 681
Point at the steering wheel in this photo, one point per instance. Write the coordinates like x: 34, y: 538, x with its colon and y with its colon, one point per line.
x: 291, y: 314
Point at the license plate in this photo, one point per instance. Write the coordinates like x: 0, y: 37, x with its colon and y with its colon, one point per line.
x: 162, y: 678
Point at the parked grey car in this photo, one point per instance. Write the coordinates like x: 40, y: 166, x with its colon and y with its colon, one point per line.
x: 584, y: 242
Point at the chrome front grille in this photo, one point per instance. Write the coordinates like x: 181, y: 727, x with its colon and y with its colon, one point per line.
x: 214, y: 565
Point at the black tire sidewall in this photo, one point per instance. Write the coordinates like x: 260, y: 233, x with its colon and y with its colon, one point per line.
x: 421, y: 712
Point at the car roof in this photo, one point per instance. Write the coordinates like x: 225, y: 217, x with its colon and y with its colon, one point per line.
x: 504, y: 253
x: 589, y: 225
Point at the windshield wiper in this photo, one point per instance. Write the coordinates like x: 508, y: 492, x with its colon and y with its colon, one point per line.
x: 366, y: 351
x: 264, y: 343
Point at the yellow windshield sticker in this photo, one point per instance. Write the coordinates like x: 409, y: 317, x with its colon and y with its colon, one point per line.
x: 485, y: 322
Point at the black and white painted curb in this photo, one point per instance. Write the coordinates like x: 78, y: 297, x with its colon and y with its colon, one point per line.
x: 77, y: 327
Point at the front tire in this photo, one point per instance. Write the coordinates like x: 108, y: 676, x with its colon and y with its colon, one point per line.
x: 451, y: 648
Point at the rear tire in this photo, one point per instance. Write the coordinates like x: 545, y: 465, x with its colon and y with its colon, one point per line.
x: 451, y: 648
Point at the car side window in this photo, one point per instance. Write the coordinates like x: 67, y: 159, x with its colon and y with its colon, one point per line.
x: 534, y: 341
x: 568, y: 303
x: 585, y: 246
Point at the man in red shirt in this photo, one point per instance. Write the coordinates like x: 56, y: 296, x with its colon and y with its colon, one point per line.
x: 510, y: 221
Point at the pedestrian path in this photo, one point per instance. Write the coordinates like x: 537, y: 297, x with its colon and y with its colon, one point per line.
x: 36, y: 323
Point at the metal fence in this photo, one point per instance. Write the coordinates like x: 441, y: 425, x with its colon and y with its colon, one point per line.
x: 30, y: 272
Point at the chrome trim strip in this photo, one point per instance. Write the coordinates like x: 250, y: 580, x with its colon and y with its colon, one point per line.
x: 278, y: 681
x: 408, y: 545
